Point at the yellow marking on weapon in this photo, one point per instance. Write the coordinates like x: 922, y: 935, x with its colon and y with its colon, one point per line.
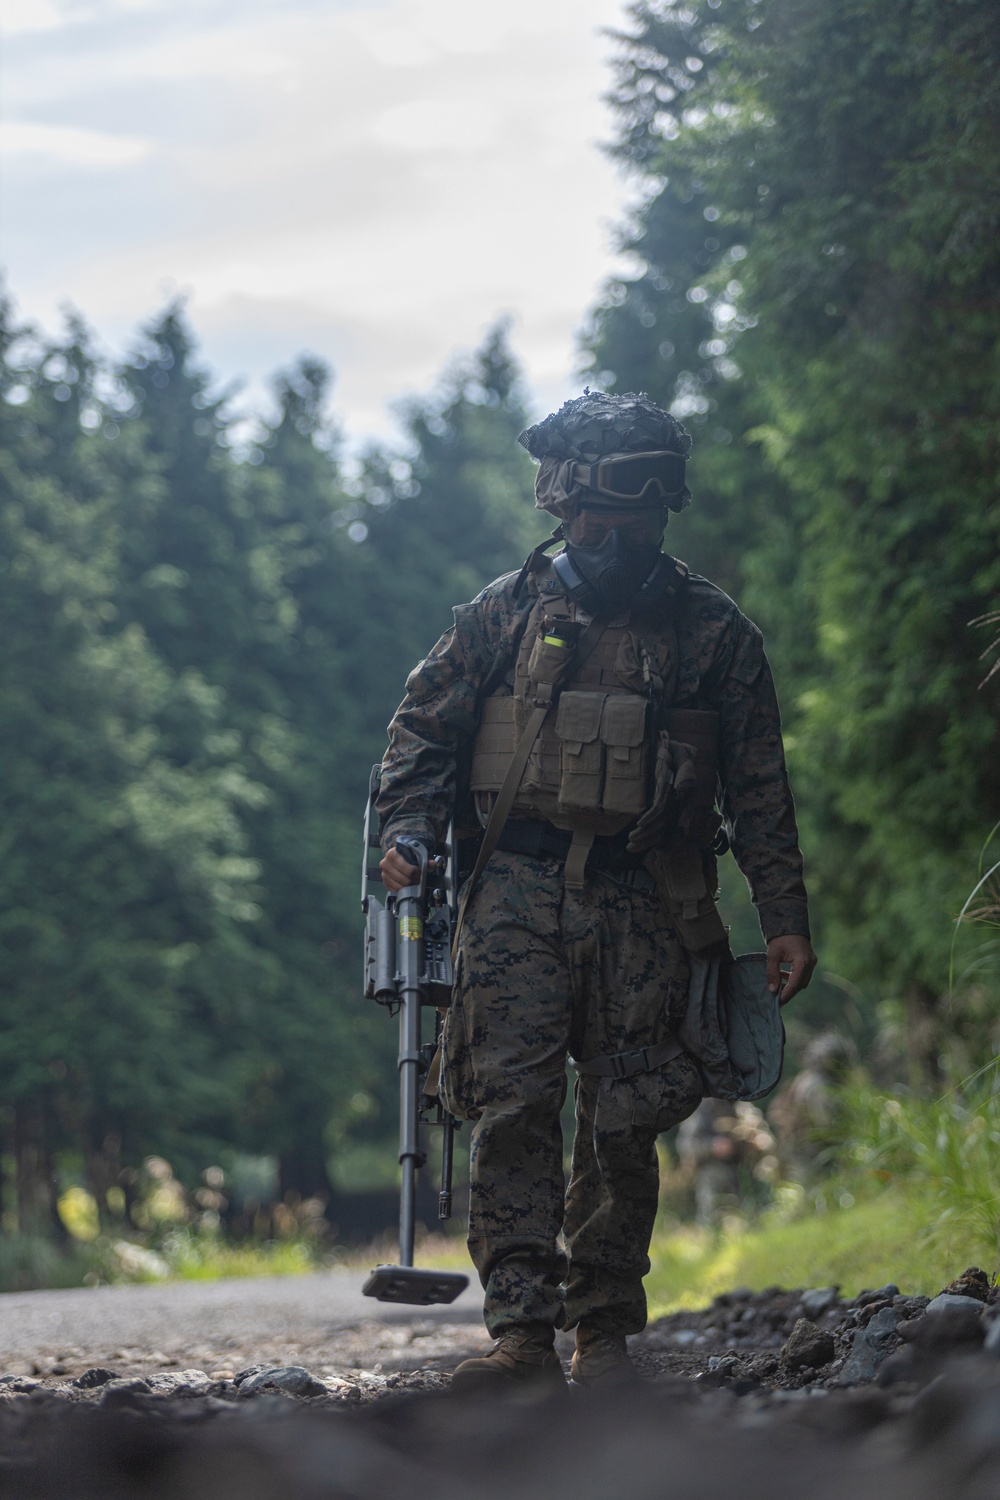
x: 411, y: 929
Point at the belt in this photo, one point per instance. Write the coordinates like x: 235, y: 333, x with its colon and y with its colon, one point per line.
x: 627, y: 1064
x: 540, y: 839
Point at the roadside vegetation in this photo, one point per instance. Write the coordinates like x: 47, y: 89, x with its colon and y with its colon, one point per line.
x: 910, y: 1194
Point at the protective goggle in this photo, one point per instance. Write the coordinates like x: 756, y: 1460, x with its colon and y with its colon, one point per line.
x: 637, y: 478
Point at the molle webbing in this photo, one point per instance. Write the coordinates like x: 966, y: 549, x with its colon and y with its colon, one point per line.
x: 589, y: 766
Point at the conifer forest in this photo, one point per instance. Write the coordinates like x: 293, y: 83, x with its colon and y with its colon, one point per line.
x: 207, y: 622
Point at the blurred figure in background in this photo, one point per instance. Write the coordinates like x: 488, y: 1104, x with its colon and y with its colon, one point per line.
x: 726, y: 1150
x: 804, y: 1112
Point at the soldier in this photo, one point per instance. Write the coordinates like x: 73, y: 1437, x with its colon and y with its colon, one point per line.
x: 585, y: 710
x: 721, y: 1149
x: 803, y: 1114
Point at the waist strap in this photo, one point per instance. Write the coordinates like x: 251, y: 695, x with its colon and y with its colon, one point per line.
x: 627, y: 1064
x: 543, y: 840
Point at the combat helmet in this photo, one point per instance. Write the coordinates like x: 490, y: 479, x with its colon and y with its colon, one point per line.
x: 624, y: 451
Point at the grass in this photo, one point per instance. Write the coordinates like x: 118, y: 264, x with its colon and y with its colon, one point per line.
x: 33, y: 1263
x: 911, y: 1195
x: 890, y: 1238
x: 194, y: 1257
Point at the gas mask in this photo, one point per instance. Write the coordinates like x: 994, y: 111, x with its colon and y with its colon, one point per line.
x: 608, y: 579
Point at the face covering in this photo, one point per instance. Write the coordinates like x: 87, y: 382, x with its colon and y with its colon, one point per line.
x: 612, y: 573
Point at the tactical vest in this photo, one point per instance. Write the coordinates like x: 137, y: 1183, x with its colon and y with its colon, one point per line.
x: 592, y: 765
x: 589, y: 768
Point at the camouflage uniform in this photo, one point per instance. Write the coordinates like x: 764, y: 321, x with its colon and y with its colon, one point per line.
x: 545, y: 970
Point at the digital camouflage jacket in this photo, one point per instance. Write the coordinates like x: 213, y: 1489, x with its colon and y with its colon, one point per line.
x: 722, y: 667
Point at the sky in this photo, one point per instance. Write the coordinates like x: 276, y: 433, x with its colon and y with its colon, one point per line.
x: 372, y: 181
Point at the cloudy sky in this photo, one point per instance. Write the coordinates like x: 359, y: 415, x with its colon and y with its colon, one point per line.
x: 371, y: 180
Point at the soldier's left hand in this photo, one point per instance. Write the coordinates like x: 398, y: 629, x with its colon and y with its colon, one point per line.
x: 795, y: 951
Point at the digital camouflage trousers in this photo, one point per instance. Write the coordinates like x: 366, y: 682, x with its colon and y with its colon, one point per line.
x: 544, y: 973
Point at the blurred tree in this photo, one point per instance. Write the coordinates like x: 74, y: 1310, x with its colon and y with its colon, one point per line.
x: 846, y: 154
x: 120, y: 862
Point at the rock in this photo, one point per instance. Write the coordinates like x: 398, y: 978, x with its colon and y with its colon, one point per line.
x: 948, y: 1301
x: 18, y: 1383
x: 344, y: 1390
x: 807, y: 1347
x: 946, y: 1328
x: 884, y: 1323
x: 684, y: 1337
x: 903, y: 1367
x: 94, y: 1377
x: 862, y: 1364
x: 123, y: 1392
x: 991, y: 1344
x: 869, y: 1349
x: 292, y: 1380
x: 881, y: 1294
x: 972, y: 1283
x: 180, y: 1383
x: 819, y: 1300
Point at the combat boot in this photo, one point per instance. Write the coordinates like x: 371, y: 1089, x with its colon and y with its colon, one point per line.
x: 601, y: 1359
x: 522, y: 1359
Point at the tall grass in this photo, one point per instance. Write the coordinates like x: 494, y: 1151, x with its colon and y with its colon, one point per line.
x: 947, y: 1150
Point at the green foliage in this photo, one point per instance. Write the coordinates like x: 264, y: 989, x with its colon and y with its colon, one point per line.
x: 819, y: 278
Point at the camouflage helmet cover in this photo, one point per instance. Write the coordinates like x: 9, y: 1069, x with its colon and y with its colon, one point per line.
x: 590, y: 427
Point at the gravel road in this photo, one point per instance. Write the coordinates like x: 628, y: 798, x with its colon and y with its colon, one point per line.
x: 204, y: 1313
x: 220, y: 1327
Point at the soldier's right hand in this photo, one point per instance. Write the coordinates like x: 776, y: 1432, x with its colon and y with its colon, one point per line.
x: 396, y: 873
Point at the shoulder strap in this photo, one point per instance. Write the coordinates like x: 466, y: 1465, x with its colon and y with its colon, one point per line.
x: 536, y: 557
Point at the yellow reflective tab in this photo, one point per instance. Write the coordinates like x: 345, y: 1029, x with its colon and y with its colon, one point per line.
x: 555, y: 640
x: 411, y: 929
